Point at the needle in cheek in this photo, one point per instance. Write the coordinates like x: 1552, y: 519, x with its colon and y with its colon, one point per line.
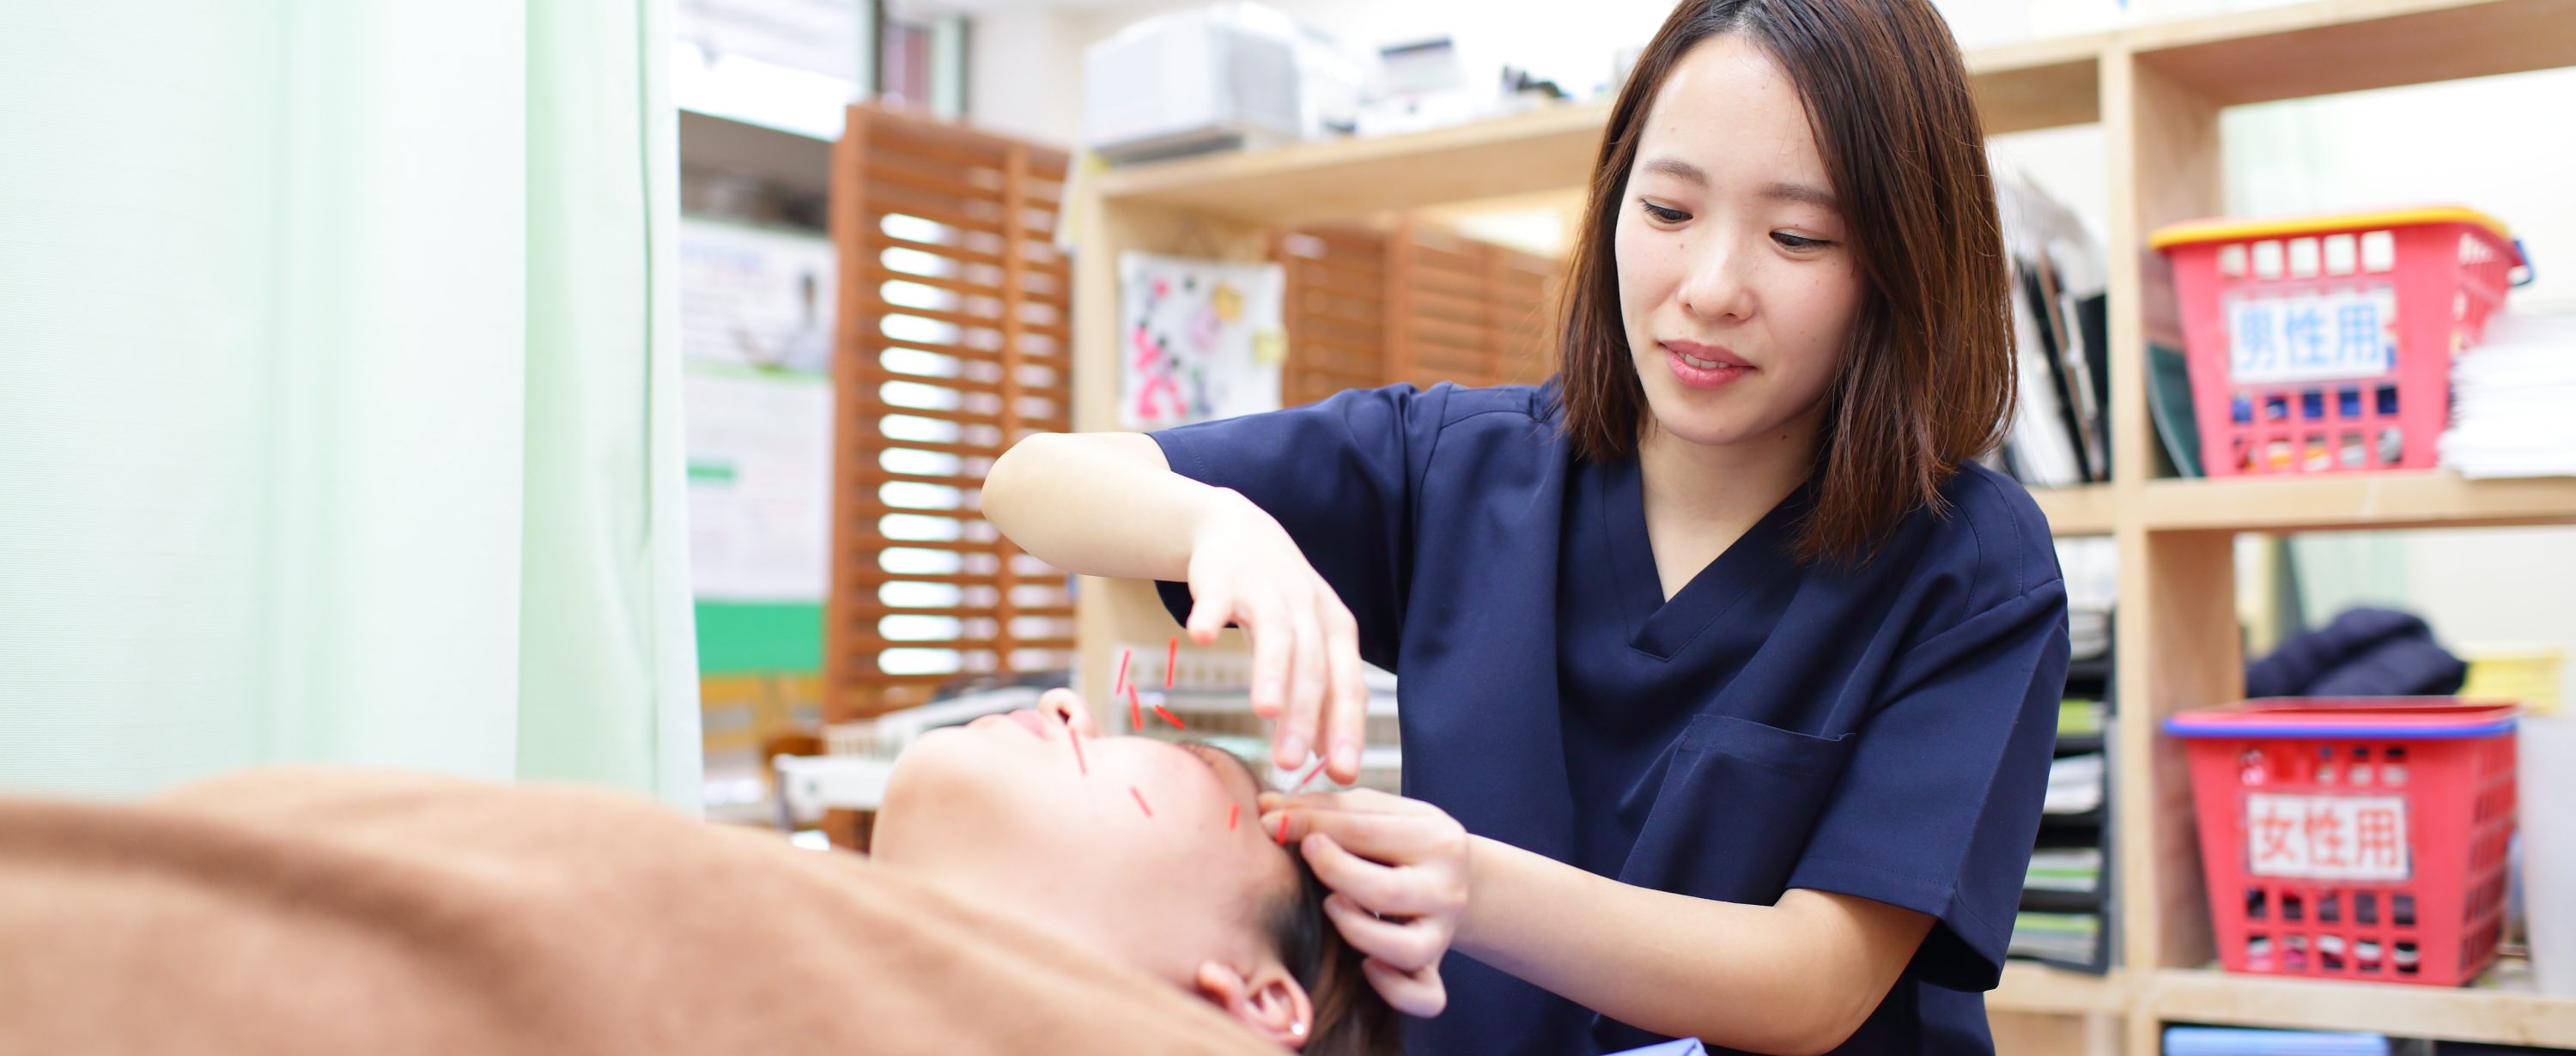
x: 1233, y: 813
x: 1148, y: 808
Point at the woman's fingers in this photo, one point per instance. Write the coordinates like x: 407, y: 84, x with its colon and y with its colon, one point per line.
x: 1407, y: 945
x: 1412, y: 993
x: 1346, y: 721
x: 1306, y: 673
x: 1395, y: 839
x: 1350, y: 801
x: 1212, y: 606
x: 1273, y: 641
x: 1380, y: 889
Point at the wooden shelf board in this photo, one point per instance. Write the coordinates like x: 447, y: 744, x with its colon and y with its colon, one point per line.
x: 2328, y: 502
x: 2041, y: 84
x: 2082, y: 509
x: 1343, y: 179
x: 2330, y: 46
x: 2493, y: 1016
x: 2032, y: 988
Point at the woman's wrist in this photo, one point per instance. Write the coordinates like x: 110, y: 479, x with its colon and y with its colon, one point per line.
x: 1489, y: 863
x: 1218, y: 510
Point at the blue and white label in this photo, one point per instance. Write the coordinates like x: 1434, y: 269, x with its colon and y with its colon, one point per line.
x: 2313, y: 335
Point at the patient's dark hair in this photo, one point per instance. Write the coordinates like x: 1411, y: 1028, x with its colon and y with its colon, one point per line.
x: 1351, y: 1017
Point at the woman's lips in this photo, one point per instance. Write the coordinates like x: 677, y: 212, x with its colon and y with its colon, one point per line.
x: 1030, y: 720
x: 1024, y: 718
x: 1704, y: 367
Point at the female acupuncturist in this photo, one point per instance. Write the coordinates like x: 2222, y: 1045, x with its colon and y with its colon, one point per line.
x: 1729, y: 679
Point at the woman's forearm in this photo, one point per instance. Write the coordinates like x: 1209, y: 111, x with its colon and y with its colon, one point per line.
x: 1792, y: 978
x: 1101, y: 504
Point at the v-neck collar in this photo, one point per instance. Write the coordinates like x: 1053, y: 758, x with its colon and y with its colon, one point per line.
x: 1660, y: 627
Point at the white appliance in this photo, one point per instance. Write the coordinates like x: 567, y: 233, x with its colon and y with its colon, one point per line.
x: 1224, y: 77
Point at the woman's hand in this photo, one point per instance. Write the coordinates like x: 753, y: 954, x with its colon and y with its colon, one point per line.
x: 1306, y: 669
x: 1398, y: 870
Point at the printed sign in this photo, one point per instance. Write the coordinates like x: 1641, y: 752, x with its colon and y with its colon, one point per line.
x: 2327, y: 837
x: 2314, y: 335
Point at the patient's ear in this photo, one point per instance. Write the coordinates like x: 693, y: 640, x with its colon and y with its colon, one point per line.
x: 1268, y: 1002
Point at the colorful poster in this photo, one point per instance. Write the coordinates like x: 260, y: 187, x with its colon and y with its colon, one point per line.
x: 1198, y: 339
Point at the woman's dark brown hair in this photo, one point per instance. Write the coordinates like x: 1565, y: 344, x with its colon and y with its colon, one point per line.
x: 1928, y: 377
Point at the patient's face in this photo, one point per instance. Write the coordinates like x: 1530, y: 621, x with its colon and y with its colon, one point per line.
x: 1127, y: 849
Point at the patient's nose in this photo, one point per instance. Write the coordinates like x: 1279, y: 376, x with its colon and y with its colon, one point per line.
x: 1067, y: 706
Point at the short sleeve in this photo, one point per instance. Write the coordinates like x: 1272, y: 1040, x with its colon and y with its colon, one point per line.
x: 1938, y: 809
x: 1339, y: 475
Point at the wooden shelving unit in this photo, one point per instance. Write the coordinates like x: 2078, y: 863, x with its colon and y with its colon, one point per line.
x: 2157, y: 91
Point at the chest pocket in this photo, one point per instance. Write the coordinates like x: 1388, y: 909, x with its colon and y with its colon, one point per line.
x: 1733, y: 812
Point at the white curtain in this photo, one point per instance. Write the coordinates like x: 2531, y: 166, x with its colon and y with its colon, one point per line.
x: 338, y: 393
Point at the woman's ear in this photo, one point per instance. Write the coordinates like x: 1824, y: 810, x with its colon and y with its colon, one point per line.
x: 1267, y: 1002
x: 1067, y: 705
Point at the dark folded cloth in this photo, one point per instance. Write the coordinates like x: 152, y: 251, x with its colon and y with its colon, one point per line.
x: 2362, y: 653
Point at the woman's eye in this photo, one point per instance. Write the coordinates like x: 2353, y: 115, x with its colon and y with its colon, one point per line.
x: 1790, y: 241
x: 1669, y: 216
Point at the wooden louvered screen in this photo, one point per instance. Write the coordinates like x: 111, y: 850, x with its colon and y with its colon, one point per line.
x: 1414, y: 304
x: 954, y: 343
x: 1335, y: 311
x: 1467, y: 311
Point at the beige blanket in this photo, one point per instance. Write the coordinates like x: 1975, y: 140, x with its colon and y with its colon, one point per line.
x: 312, y: 911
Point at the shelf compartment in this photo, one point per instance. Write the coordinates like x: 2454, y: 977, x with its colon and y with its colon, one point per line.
x: 2079, y: 509
x: 2326, y: 502
x: 2332, y: 46
x: 2030, y: 987
x: 2495, y: 1016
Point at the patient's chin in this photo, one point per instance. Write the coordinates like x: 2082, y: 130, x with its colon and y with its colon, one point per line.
x: 955, y: 779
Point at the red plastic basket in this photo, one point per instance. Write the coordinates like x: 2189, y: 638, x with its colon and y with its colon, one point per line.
x: 2354, y: 839
x: 2324, y: 344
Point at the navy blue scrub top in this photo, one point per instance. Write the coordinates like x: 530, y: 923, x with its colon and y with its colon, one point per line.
x: 1881, y: 730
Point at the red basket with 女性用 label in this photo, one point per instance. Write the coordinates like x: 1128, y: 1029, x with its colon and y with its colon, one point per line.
x: 2355, y: 839
x: 2324, y: 344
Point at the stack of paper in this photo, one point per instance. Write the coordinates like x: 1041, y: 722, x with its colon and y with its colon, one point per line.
x: 2079, y: 717
x: 2056, y: 936
x: 2513, y: 400
x: 2077, y: 869
x: 2075, y: 784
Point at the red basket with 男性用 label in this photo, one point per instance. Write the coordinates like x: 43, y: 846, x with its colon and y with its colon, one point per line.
x: 2324, y: 344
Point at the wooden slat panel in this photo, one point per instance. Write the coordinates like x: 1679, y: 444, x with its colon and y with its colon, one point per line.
x: 967, y: 287
x: 980, y: 355
x: 1047, y: 264
x: 997, y: 198
x: 979, y: 612
x: 966, y: 320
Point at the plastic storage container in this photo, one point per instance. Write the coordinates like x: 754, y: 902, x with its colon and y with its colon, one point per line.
x: 2324, y: 344
x: 2354, y: 839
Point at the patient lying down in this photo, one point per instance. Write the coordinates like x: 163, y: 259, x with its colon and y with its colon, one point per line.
x: 1023, y: 898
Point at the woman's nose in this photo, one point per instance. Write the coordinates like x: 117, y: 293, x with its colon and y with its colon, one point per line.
x: 1717, y: 288
x: 1067, y: 705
